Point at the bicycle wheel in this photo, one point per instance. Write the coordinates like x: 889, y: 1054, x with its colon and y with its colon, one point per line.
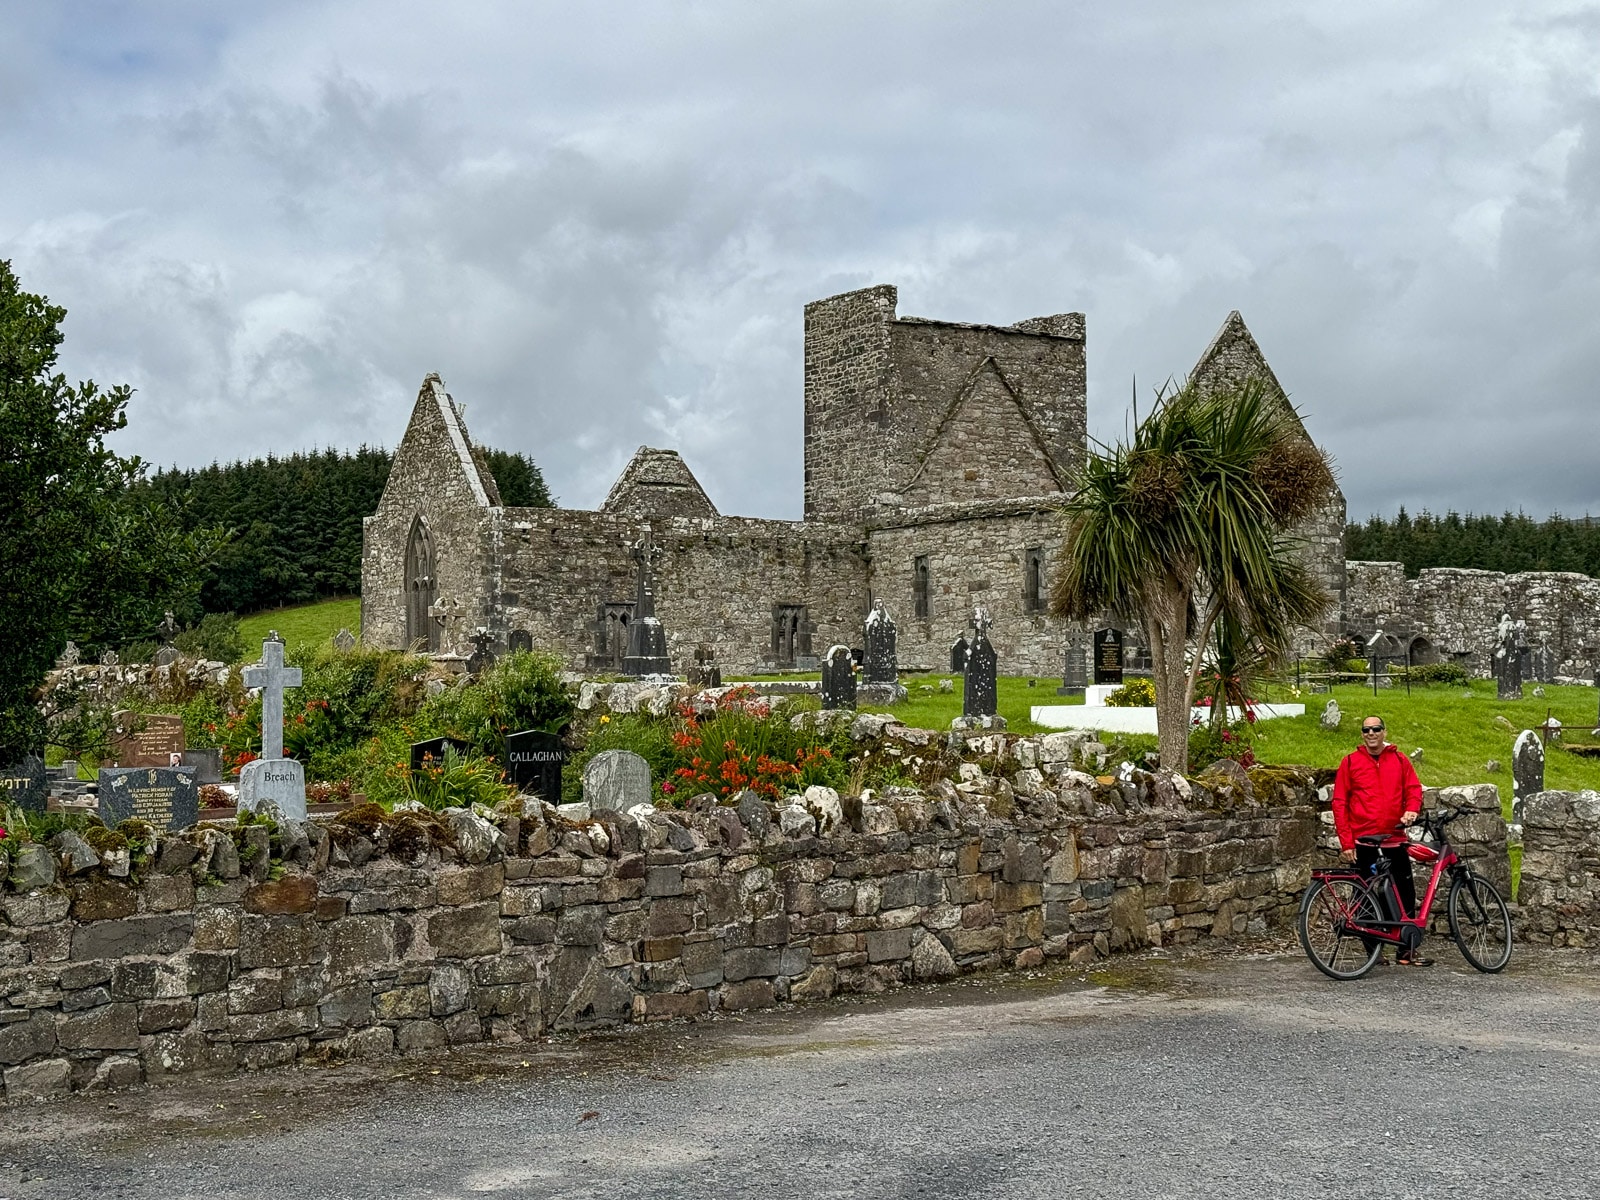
x: 1480, y: 922
x: 1329, y: 908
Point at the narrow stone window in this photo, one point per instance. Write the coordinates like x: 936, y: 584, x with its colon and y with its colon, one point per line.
x: 421, y: 588
x: 919, y: 587
x: 791, y: 634
x: 1033, y: 579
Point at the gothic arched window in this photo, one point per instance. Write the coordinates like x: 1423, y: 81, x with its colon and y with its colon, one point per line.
x: 422, y: 589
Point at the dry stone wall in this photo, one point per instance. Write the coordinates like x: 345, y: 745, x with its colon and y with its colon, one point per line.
x: 1558, y: 902
x: 368, y: 935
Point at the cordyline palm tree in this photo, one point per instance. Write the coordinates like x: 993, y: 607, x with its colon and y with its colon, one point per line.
x: 1190, y: 522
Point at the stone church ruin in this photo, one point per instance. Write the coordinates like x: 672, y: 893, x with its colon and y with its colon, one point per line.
x: 937, y: 455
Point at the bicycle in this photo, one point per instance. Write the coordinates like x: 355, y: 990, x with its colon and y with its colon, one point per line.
x: 1346, y: 918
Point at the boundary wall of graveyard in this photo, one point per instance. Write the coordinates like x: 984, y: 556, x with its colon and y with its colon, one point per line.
x: 370, y: 934
x: 1558, y: 903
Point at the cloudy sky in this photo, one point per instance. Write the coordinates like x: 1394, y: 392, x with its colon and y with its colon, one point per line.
x: 599, y: 222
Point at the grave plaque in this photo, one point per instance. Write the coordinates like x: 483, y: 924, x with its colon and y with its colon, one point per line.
x: 1527, y: 771
x: 879, y: 656
x: 1108, y: 656
x: 521, y: 641
x: 839, y: 679
x: 958, y: 655
x: 434, y: 748
x: 167, y: 797
x: 152, y: 746
x: 616, y: 781
x: 25, y: 784
x: 280, y: 781
x: 534, y: 760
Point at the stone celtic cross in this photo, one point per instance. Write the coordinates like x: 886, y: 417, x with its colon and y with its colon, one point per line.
x: 272, y: 677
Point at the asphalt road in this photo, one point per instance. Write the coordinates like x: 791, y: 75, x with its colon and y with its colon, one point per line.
x: 1242, y: 1075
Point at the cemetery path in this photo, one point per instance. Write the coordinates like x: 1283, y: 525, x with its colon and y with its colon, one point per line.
x: 1240, y: 1074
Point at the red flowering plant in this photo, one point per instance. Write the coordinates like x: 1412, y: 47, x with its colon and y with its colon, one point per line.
x: 739, y: 742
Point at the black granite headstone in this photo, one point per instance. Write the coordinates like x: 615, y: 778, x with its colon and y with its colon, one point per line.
x: 958, y: 655
x: 838, y: 679
x: 534, y: 760
x: 978, y: 696
x: 880, y: 663
x: 434, y: 748
x: 1108, y: 656
x: 26, y: 785
x: 167, y: 797
x: 520, y: 640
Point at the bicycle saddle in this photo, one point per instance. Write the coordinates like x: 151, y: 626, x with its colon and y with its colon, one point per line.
x: 1383, y: 841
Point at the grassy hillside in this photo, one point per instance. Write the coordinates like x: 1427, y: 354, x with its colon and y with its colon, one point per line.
x: 301, y: 625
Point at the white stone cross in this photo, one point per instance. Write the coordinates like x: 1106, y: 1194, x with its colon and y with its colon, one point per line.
x: 272, y: 677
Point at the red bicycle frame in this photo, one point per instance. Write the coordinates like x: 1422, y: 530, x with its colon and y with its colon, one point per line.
x: 1443, y: 859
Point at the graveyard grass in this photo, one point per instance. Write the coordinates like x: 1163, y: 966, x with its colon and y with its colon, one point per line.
x: 301, y: 625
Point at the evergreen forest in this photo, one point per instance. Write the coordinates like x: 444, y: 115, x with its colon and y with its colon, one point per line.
x: 292, y: 526
x: 1510, y: 543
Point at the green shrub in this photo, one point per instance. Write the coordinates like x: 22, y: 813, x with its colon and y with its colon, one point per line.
x: 1138, y: 692
x: 1208, y: 743
x: 456, y: 781
x: 1452, y: 673
x: 521, y: 691
x: 216, y: 637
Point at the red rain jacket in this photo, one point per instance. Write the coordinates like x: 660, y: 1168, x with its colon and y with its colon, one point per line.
x: 1371, y: 794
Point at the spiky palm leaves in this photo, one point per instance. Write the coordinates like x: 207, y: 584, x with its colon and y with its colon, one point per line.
x: 1198, y: 506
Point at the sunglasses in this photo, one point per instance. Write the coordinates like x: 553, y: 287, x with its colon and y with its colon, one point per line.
x: 1372, y: 729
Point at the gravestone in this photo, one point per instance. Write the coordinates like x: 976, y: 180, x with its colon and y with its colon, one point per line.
x: 647, y: 639
x: 205, y: 762
x: 167, y: 797
x: 1331, y: 716
x: 167, y: 630
x: 520, y: 642
x: 958, y: 655
x: 482, y: 656
x: 1107, y: 656
x: 108, y: 658
x: 69, y: 656
x: 705, y: 672
x: 616, y: 781
x: 26, y: 784
x: 344, y: 641
x: 838, y: 679
x: 434, y: 748
x: 1527, y: 771
x: 151, y: 746
x: 1074, y: 675
x: 280, y: 781
x: 272, y: 776
x: 879, y: 657
x: 1510, y: 644
x: 979, y: 695
x: 534, y: 760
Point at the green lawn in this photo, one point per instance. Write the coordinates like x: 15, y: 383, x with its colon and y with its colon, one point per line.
x: 302, y: 625
x: 1457, y: 734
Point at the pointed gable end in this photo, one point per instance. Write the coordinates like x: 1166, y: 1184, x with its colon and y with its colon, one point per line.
x: 1233, y: 358
x: 657, y: 483
x: 436, y: 440
x: 985, y: 447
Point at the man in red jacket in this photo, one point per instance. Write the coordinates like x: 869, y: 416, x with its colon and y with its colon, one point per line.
x: 1377, y: 791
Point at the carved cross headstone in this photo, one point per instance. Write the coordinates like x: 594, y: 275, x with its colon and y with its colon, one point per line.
x: 482, y: 657
x: 979, y: 694
x: 273, y: 777
x: 69, y: 656
x: 108, y: 658
x: 344, y: 641
x: 838, y: 679
x: 166, y: 631
x: 647, y: 640
x: 880, y: 656
x: 1527, y: 771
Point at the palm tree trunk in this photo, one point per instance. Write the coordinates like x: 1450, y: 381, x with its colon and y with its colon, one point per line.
x: 1165, y: 617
